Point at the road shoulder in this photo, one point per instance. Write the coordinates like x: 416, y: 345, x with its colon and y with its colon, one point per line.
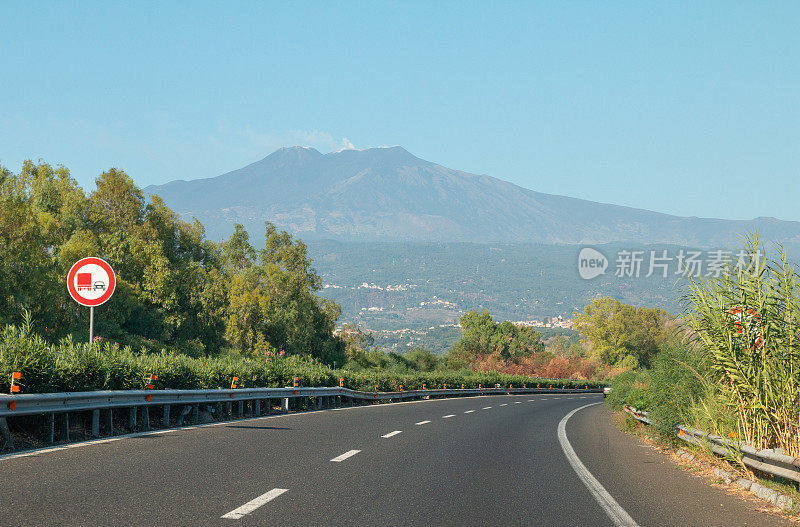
x: 635, y: 473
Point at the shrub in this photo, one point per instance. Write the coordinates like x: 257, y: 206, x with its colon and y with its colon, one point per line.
x: 69, y: 366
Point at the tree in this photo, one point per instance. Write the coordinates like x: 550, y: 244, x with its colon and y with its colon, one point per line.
x: 422, y: 359
x: 481, y: 335
x: 175, y: 289
x: 621, y: 335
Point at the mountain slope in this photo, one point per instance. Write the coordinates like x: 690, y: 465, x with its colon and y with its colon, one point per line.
x: 389, y: 194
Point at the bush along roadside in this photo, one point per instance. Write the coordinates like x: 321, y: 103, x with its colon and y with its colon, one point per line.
x: 70, y: 367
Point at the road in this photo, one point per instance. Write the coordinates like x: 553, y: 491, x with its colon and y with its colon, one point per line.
x: 494, y: 460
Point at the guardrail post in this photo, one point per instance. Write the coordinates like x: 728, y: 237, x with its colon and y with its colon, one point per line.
x: 195, y: 413
x: 257, y: 403
x: 145, y: 418
x: 110, y: 422
x: 229, y: 410
x: 165, y: 418
x: 285, y: 404
x: 6, y: 433
x: 132, y: 418
x: 66, y: 426
x: 95, y: 423
x: 51, y: 428
x: 184, y: 413
x: 240, y: 409
x: 268, y: 402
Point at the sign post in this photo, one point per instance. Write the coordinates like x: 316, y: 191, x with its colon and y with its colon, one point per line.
x: 91, y: 282
x: 91, y: 323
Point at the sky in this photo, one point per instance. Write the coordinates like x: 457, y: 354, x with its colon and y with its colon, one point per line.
x: 689, y: 108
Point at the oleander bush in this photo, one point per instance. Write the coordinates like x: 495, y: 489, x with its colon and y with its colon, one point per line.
x: 69, y: 366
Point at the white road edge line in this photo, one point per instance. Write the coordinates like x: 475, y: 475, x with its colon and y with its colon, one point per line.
x: 421, y: 423
x: 252, y: 505
x: 448, y: 416
x: 613, y: 509
x: 349, y: 453
x: 390, y: 434
x: 468, y: 411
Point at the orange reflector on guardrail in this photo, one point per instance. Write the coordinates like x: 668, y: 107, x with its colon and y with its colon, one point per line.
x: 12, y: 405
x: 15, y: 376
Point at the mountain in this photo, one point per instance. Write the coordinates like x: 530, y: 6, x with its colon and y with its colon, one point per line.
x: 389, y: 194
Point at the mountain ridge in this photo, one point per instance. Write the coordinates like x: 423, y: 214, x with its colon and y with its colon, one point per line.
x: 389, y: 194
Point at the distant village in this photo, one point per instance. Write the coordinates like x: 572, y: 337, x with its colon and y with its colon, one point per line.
x: 406, y: 337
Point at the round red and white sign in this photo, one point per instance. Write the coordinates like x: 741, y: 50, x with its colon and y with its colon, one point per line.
x: 91, y: 281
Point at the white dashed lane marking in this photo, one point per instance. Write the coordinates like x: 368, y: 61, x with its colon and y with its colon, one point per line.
x: 346, y: 455
x: 469, y: 411
x: 447, y: 416
x: 390, y: 434
x: 487, y: 407
x: 252, y: 505
x: 420, y: 423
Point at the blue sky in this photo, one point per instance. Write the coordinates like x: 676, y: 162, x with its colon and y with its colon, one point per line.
x: 687, y: 108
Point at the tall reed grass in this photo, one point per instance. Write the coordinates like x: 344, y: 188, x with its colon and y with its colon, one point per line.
x: 746, y: 319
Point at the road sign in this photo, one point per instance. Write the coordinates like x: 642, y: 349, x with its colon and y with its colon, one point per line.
x: 91, y: 281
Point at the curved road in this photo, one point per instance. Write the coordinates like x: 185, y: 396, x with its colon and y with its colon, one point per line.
x: 494, y: 460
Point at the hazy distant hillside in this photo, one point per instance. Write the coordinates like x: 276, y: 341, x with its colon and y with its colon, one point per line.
x: 396, y: 285
x: 389, y: 194
x: 388, y: 286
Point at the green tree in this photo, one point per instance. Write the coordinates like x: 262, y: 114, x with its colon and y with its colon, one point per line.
x: 481, y: 335
x: 620, y: 335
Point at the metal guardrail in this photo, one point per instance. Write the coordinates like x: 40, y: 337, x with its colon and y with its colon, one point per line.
x: 50, y: 404
x: 768, y: 461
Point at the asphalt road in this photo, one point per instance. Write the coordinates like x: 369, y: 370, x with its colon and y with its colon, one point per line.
x: 494, y: 460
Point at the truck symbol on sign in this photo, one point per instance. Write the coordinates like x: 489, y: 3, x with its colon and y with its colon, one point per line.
x: 84, y: 282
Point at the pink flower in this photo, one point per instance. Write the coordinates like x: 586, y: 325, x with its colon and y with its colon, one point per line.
x: 281, y: 353
x: 269, y: 353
